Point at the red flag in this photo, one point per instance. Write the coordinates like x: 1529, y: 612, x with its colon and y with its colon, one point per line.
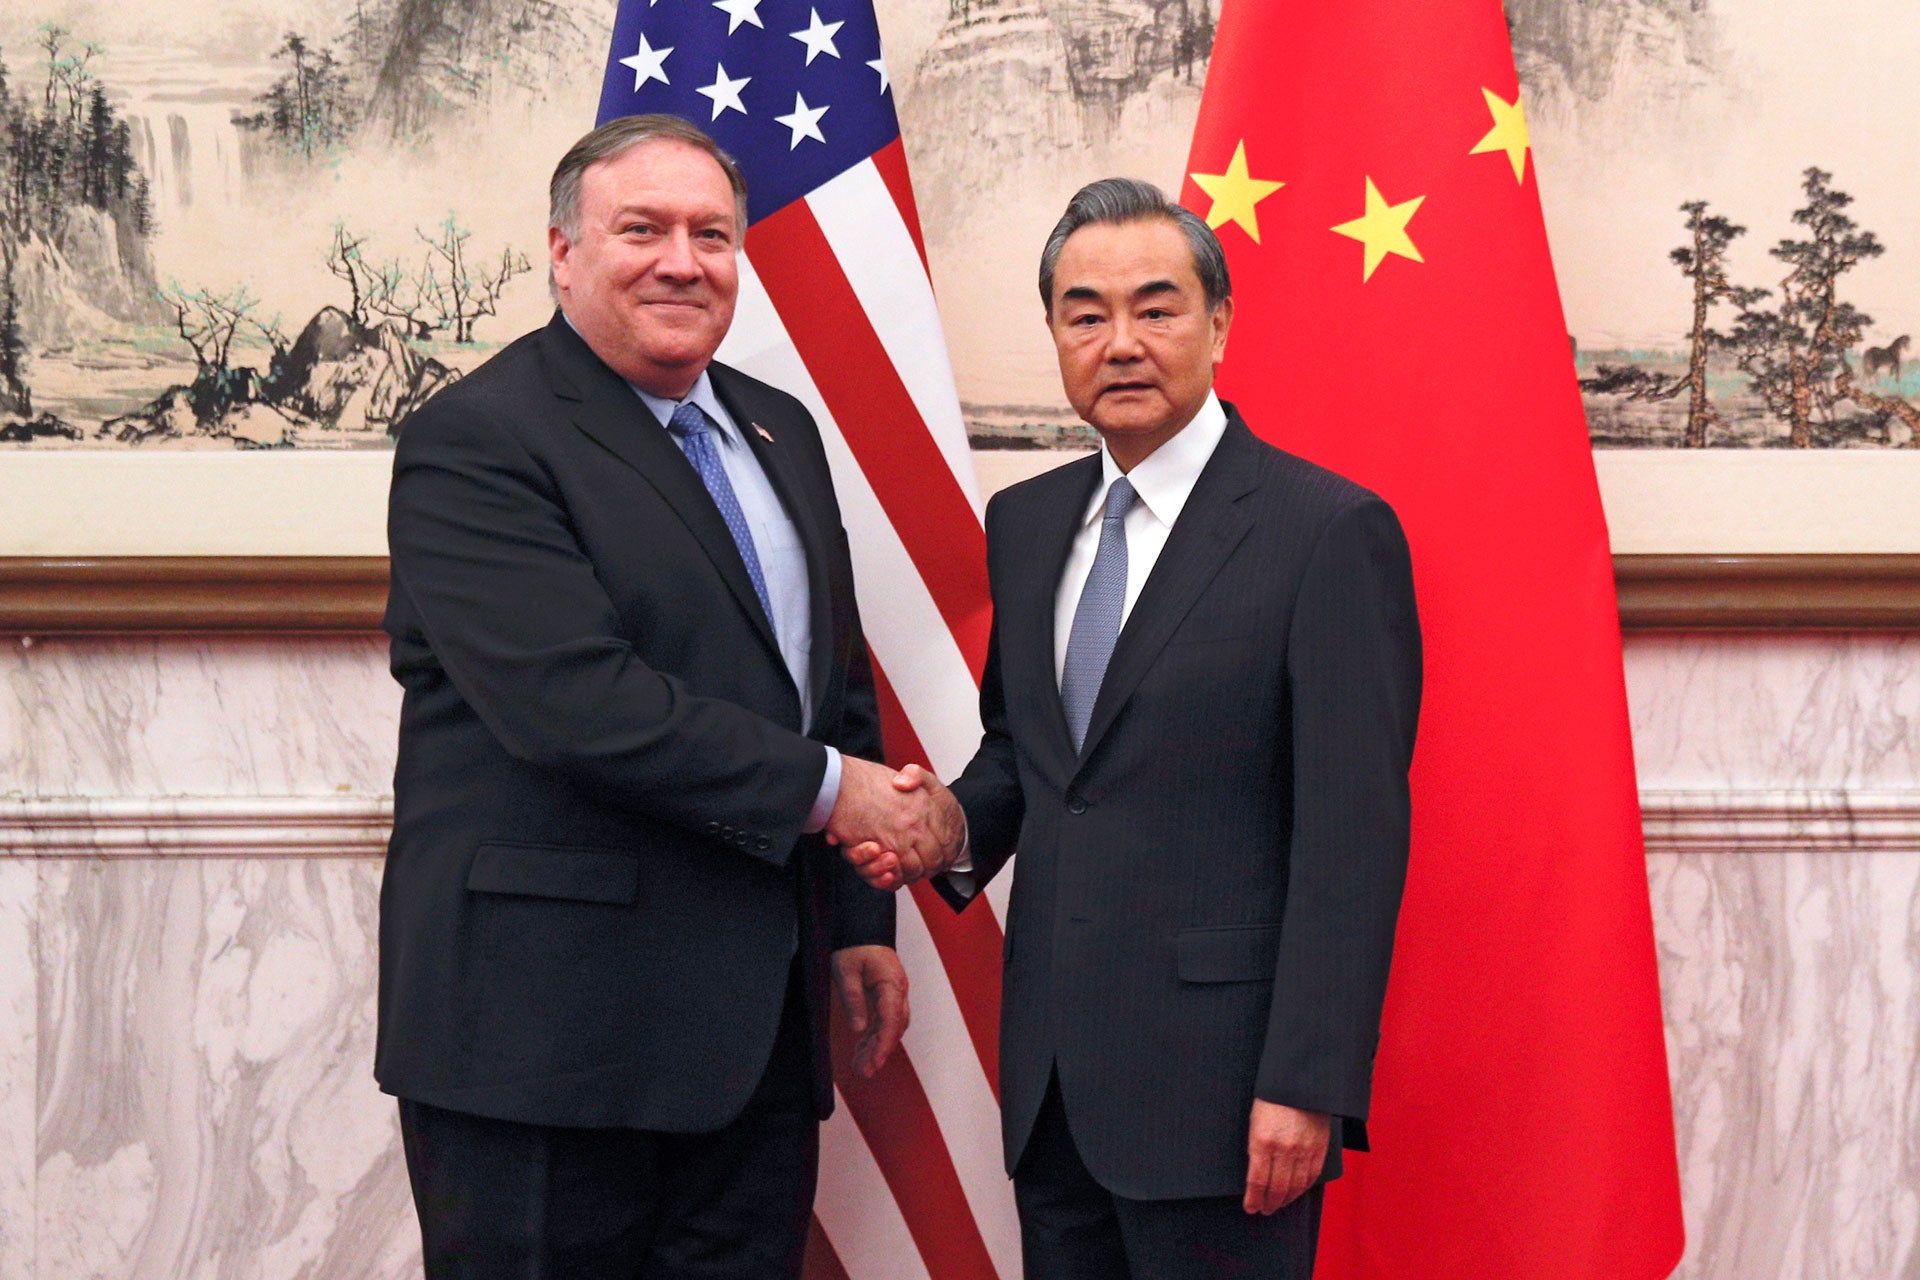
x: 1366, y: 166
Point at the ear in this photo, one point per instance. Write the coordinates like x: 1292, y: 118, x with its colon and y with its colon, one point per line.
x: 1221, y: 320
x: 559, y: 251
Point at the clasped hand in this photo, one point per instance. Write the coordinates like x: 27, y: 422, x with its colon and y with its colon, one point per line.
x: 895, y: 828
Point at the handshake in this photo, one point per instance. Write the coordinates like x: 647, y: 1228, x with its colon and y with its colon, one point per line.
x: 895, y: 828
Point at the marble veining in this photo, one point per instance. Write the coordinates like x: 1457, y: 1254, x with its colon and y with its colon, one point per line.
x: 242, y: 715
x: 1791, y: 984
x: 18, y: 1002
x: 1771, y: 711
x: 205, y: 1097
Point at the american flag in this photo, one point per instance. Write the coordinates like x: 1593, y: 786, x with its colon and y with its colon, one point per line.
x: 836, y: 307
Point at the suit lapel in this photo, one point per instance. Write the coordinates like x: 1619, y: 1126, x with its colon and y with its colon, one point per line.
x: 1027, y: 631
x: 1210, y: 526
x: 777, y: 461
x: 608, y: 411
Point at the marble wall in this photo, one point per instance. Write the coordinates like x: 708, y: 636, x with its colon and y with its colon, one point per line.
x: 1782, y: 783
x: 189, y: 878
x: 189, y: 830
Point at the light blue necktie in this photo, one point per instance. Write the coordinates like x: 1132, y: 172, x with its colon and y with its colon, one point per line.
x: 1096, y: 619
x: 695, y: 434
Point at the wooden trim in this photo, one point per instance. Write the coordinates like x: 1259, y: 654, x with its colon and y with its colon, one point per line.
x: 1796, y: 592
x: 348, y: 593
x: 191, y: 593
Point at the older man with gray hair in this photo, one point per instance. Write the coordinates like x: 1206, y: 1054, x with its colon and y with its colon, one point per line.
x: 1199, y: 709
x: 636, y: 702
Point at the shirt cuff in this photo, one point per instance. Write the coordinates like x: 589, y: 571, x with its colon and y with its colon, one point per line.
x: 828, y: 797
x: 960, y: 874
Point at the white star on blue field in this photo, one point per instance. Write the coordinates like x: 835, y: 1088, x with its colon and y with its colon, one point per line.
x: 796, y: 90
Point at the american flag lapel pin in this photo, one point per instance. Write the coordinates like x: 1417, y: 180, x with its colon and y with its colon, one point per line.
x: 764, y: 433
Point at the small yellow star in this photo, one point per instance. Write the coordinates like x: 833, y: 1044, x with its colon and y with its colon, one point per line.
x: 1509, y: 132
x: 1383, y: 229
x: 1235, y: 194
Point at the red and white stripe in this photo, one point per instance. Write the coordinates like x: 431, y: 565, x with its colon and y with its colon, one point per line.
x: 836, y: 307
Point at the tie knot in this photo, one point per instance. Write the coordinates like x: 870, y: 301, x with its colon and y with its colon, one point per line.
x: 1119, y: 498
x: 688, y: 420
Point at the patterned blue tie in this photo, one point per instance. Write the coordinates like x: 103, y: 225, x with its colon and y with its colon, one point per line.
x: 695, y: 434
x: 1096, y: 619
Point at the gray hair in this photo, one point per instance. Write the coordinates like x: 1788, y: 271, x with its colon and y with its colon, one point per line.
x: 614, y: 139
x: 1119, y: 200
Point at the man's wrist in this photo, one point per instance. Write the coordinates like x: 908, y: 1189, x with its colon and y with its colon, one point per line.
x: 828, y: 797
x: 963, y: 861
x: 960, y: 877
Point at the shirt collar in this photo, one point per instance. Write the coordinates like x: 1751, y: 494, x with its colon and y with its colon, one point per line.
x: 702, y: 395
x: 1165, y: 478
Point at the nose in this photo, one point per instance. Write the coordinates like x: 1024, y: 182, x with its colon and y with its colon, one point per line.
x: 677, y: 261
x: 1123, y: 341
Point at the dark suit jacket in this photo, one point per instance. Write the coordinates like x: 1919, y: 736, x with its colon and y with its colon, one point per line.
x: 597, y: 880
x: 1205, y: 901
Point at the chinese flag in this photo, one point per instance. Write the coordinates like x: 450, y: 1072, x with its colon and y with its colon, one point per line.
x: 1366, y: 165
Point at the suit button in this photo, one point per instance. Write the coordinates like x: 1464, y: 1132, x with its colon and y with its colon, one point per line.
x: 713, y: 828
x: 763, y: 844
x: 726, y: 833
x: 1076, y: 805
x: 742, y: 839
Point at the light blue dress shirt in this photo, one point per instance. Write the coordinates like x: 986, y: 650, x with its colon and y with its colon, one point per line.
x: 783, y: 560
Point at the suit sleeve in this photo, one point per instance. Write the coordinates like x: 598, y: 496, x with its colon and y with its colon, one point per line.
x: 1354, y: 674
x: 512, y: 611
x: 862, y: 914
x: 989, y: 788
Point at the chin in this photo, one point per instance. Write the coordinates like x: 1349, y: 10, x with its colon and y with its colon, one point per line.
x: 1130, y: 424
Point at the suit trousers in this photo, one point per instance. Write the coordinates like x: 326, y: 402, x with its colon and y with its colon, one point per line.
x: 499, y: 1200
x: 1072, y: 1228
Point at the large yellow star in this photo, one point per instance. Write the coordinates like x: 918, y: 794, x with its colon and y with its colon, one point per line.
x: 1383, y: 229
x: 1509, y: 132
x: 1235, y: 193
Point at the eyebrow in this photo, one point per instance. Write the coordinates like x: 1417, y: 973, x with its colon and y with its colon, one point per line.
x: 636, y: 208
x: 1151, y: 289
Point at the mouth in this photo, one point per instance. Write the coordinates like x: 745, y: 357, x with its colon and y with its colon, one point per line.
x: 1123, y: 388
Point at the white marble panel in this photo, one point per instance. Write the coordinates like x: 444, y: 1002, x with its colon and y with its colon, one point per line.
x: 1792, y: 991
x: 1771, y: 711
x: 17, y: 1063
x: 206, y: 1100
x: 155, y: 716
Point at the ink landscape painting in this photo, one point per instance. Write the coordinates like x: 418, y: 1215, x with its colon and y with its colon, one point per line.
x: 268, y: 224
x: 276, y: 226
x: 1731, y: 194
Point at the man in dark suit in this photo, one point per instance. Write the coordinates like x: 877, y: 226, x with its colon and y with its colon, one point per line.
x: 1199, y: 710
x: 622, y: 612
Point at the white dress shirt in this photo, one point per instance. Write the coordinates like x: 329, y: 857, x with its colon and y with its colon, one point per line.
x: 1163, y: 480
x: 783, y: 560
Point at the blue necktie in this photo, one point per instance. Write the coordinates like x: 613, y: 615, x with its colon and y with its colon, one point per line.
x: 1096, y: 619
x: 695, y: 434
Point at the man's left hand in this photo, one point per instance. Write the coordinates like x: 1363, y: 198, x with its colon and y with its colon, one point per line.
x: 1285, y: 1151
x: 873, y: 992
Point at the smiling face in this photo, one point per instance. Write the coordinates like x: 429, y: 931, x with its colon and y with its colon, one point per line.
x: 1136, y: 340
x: 649, y: 278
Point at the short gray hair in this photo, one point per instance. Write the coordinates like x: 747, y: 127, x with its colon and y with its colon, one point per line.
x: 614, y: 139
x: 1119, y: 200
